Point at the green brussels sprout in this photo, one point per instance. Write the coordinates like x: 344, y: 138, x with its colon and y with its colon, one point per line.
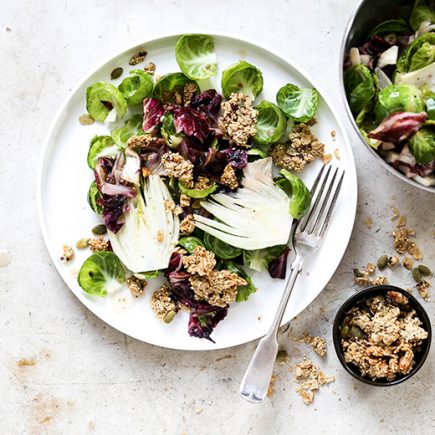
x: 257, y: 152
x: 102, y: 273
x: 101, y: 146
x: 197, y: 193
x: 148, y: 275
x: 221, y: 249
x: 172, y: 138
x: 424, y: 10
x: 420, y: 53
x: 271, y: 123
x: 195, y: 56
x: 390, y: 26
x: 244, y: 291
x: 93, y: 196
x: 422, y: 145
x: 190, y: 243
x: 100, y: 97
x: 299, y: 104
x: 259, y: 259
x: 398, y: 98
x: 137, y: 87
x: 131, y: 128
x: 242, y: 77
x: 360, y: 88
x: 300, y: 196
x: 168, y: 84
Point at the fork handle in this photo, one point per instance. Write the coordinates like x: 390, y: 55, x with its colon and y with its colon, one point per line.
x: 257, y: 377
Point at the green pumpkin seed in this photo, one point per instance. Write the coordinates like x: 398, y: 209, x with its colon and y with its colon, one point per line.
x: 344, y: 332
x: 424, y: 270
x: 116, y: 73
x: 169, y: 317
x: 83, y: 243
x: 99, y: 230
x: 382, y: 262
x: 355, y: 332
x: 358, y: 273
x: 86, y: 119
x: 282, y: 356
x: 416, y: 274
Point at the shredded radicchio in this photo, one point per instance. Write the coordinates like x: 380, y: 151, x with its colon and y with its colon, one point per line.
x: 152, y: 113
x: 278, y: 267
x: 237, y: 157
x: 191, y: 122
x: 208, y: 102
x: 398, y: 126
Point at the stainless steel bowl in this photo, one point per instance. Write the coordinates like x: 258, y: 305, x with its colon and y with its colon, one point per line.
x: 366, y: 17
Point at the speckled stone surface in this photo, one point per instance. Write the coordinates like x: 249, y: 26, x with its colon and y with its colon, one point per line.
x: 87, y: 377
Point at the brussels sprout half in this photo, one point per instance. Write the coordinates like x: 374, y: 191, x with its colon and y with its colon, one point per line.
x: 101, y: 97
x: 300, y: 196
x: 168, y: 84
x: 101, y: 146
x: 299, y: 104
x: 195, y: 56
x: 93, y: 196
x: 242, y: 77
x: 424, y: 10
x: 136, y: 87
x: 360, y: 88
x: 131, y: 128
x: 422, y: 145
x: 190, y: 243
x: 221, y: 249
x: 271, y: 123
x: 420, y: 53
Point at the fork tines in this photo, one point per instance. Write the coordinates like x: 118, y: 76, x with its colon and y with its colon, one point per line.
x: 324, y: 195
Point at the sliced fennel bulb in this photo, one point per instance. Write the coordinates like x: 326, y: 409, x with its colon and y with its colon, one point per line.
x: 256, y: 216
x: 150, y: 232
x: 419, y: 77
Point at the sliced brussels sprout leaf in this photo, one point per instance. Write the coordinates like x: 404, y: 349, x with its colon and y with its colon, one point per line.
x: 299, y: 104
x: 131, y: 128
x: 374, y: 143
x: 390, y: 26
x: 221, y: 249
x: 169, y: 84
x: 398, y: 98
x: 197, y: 193
x: 172, y: 138
x: 257, y: 152
x: 360, y: 88
x: 148, y: 275
x: 424, y: 10
x: 137, y: 86
x: 101, y: 98
x: 271, y: 123
x: 244, y: 291
x: 190, y: 243
x: 101, y: 274
x: 259, y: 259
x: 242, y: 77
x: 300, y: 196
x: 420, y: 53
x: 196, y: 57
x: 422, y: 145
x: 101, y: 146
x: 93, y: 196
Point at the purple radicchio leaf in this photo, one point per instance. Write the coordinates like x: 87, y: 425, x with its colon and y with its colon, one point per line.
x: 202, y: 325
x: 237, y: 157
x: 208, y: 102
x: 190, y: 149
x: 191, y: 122
x: 278, y: 267
x: 152, y: 113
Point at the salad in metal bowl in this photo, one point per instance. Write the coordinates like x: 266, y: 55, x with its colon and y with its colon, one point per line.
x: 195, y: 185
x: 390, y: 87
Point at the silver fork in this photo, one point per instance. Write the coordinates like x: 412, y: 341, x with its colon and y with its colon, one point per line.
x: 306, y: 237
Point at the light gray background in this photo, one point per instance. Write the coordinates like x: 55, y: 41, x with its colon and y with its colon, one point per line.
x: 89, y: 378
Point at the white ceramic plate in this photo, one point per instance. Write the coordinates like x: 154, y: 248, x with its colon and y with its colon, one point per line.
x: 65, y: 216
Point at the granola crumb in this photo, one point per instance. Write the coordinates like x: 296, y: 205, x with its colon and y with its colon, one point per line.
x: 177, y: 166
x: 169, y: 205
x: 99, y: 244
x: 271, y: 388
x: 184, y: 200
x: 218, y: 288
x: 396, y: 213
x: 138, y: 58
x: 136, y: 286
x: 239, y: 119
x: 187, y: 225
x: 198, y: 410
x: 229, y: 177
x: 150, y: 68
x: 68, y: 254
x: 162, y: 304
x: 402, y: 221
x: 202, y: 183
x: 26, y: 362
x: 423, y: 289
x: 302, y: 149
x: 393, y: 261
x: 201, y: 262
x: 408, y: 263
x: 188, y: 92
x: 317, y: 343
x: 160, y: 236
x: 144, y: 141
x: 337, y: 154
x: 326, y: 158
x: 364, y: 277
x: 333, y: 134
x: 402, y: 240
x: 368, y: 222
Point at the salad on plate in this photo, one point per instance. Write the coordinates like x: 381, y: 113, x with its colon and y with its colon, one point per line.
x: 195, y: 185
x: 390, y: 87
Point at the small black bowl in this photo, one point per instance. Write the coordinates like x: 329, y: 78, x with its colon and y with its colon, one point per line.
x: 419, y: 357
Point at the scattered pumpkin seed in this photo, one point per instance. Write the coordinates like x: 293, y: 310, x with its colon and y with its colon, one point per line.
x: 345, y: 332
x: 83, y: 243
x: 382, y: 262
x: 169, y: 317
x: 116, y: 73
x: 282, y: 356
x: 137, y: 58
x: 424, y: 270
x: 99, y: 230
x: 416, y: 274
x: 86, y: 119
x: 358, y: 273
x: 355, y: 332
